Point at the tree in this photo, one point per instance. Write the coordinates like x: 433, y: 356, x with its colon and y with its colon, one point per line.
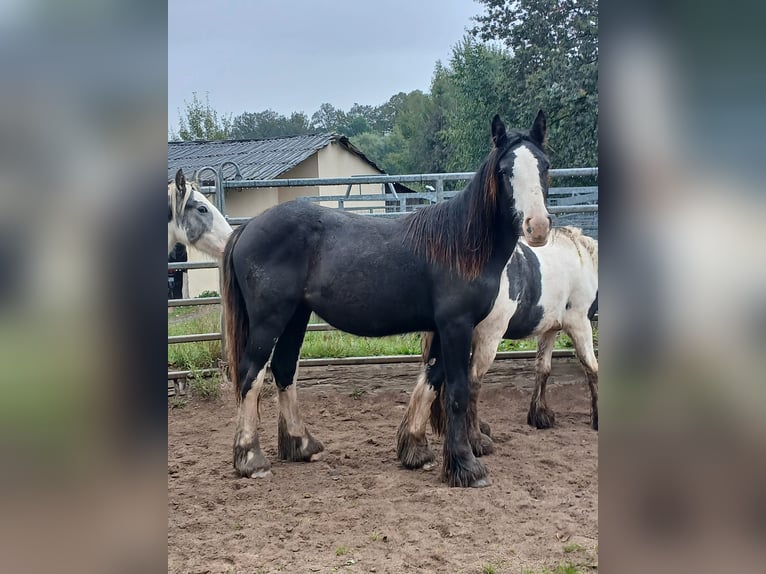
x: 201, y: 122
x: 555, y: 67
x: 472, y: 90
x: 269, y: 124
x: 328, y: 118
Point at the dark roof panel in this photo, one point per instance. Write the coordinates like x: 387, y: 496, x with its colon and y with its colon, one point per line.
x: 257, y: 159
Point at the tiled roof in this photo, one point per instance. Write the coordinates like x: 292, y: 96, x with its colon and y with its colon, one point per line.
x: 257, y: 159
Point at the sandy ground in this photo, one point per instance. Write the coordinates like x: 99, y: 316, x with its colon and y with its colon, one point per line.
x: 357, y: 510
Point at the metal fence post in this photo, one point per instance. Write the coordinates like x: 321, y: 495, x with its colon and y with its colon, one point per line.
x: 439, y: 190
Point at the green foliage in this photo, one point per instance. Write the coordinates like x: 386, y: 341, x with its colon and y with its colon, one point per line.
x: 207, y: 388
x: 554, y: 67
x: 320, y: 344
x: 521, y: 56
x: 269, y: 124
x: 196, y: 355
x: 208, y: 293
x: 476, y: 74
x: 488, y: 569
x: 341, y: 550
x: 201, y: 122
x: 177, y: 402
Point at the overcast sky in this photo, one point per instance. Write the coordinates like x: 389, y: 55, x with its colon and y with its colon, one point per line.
x: 252, y: 55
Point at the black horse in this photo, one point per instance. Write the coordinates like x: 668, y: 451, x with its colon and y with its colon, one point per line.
x: 349, y: 269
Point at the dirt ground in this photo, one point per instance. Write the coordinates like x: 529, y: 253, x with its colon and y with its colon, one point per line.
x: 357, y: 510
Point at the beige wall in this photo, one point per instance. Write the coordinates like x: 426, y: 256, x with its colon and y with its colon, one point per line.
x: 331, y: 161
x: 199, y: 280
x: 336, y: 161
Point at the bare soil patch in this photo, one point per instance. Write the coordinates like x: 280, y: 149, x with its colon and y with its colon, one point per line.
x: 357, y: 510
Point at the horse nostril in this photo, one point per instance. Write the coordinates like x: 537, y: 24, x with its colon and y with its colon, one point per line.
x: 550, y: 221
x: 528, y: 225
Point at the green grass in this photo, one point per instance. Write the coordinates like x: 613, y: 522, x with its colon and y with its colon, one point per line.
x: 207, y: 388
x: 321, y: 344
x: 196, y: 355
x: 341, y: 550
x: 564, y: 568
x: 317, y: 344
x: 574, y: 547
x: 177, y: 402
x: 176, y: 312
x: 488, y: 569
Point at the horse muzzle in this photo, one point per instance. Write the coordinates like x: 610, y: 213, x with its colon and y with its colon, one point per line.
x: 536, y: 230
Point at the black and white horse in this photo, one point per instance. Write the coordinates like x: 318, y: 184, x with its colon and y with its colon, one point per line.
x: 349, y: 269
x: 543, y: 290
x: 193, y: 221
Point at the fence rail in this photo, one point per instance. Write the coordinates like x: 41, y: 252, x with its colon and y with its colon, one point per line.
x: 378, y: 360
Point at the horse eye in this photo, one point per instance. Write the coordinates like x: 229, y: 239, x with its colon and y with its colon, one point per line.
x: 202, y: 209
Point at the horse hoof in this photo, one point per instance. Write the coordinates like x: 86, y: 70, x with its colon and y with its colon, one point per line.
x: 428, y: 466
x: 296, y: 448
x: 541, y: 418
x: 250, y: 462
x: 413, y: 452
x: 316, y: 456
x: 482, y: 446
x: 481, y: 483
x: 485, y: 428
x: 463, y: 471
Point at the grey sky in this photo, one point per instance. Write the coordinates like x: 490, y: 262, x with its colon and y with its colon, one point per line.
x: 294, y: 55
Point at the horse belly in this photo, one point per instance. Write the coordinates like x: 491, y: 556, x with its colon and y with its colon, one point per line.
x: 370, y: 304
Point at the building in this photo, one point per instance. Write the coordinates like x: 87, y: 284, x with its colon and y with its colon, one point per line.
x: 308, y: 156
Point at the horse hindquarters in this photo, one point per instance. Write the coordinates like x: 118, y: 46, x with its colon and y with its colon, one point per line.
x: 260, y: 307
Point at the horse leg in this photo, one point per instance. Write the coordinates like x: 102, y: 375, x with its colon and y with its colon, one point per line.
x: 249, y: 460
x: 411, y: 443
x: 294, y: 441
x: 581, y: 334
x: 486, y: 337
x: 540, y: 415
x: 265, y: 328
x: 460, y: 466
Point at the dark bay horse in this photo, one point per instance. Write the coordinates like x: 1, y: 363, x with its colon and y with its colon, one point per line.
x: 543, y: 290
x: 350, y: 270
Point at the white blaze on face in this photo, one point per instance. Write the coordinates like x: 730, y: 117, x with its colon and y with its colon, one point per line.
x: 528, y: 196
x: 213, y: 241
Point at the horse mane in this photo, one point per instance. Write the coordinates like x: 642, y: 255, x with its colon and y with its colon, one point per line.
x: 459, y: 233
x: 581, y: 241
x: 177, y: 209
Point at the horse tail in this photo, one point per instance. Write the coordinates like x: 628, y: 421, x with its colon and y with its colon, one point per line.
x: 234, y: 312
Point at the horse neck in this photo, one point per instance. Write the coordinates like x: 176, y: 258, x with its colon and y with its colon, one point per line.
x: 507, y: 229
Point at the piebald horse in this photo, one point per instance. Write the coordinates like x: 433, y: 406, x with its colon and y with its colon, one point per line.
x: 193, y: 220
x: 543, y: 290
x: 298, y: 258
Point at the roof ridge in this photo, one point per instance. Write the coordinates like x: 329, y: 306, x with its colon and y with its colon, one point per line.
x: 313, y: 134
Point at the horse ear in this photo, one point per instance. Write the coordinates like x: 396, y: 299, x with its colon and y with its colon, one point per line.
x: 180, y: 183
x: 537, y: 133
x: 499, y: 137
